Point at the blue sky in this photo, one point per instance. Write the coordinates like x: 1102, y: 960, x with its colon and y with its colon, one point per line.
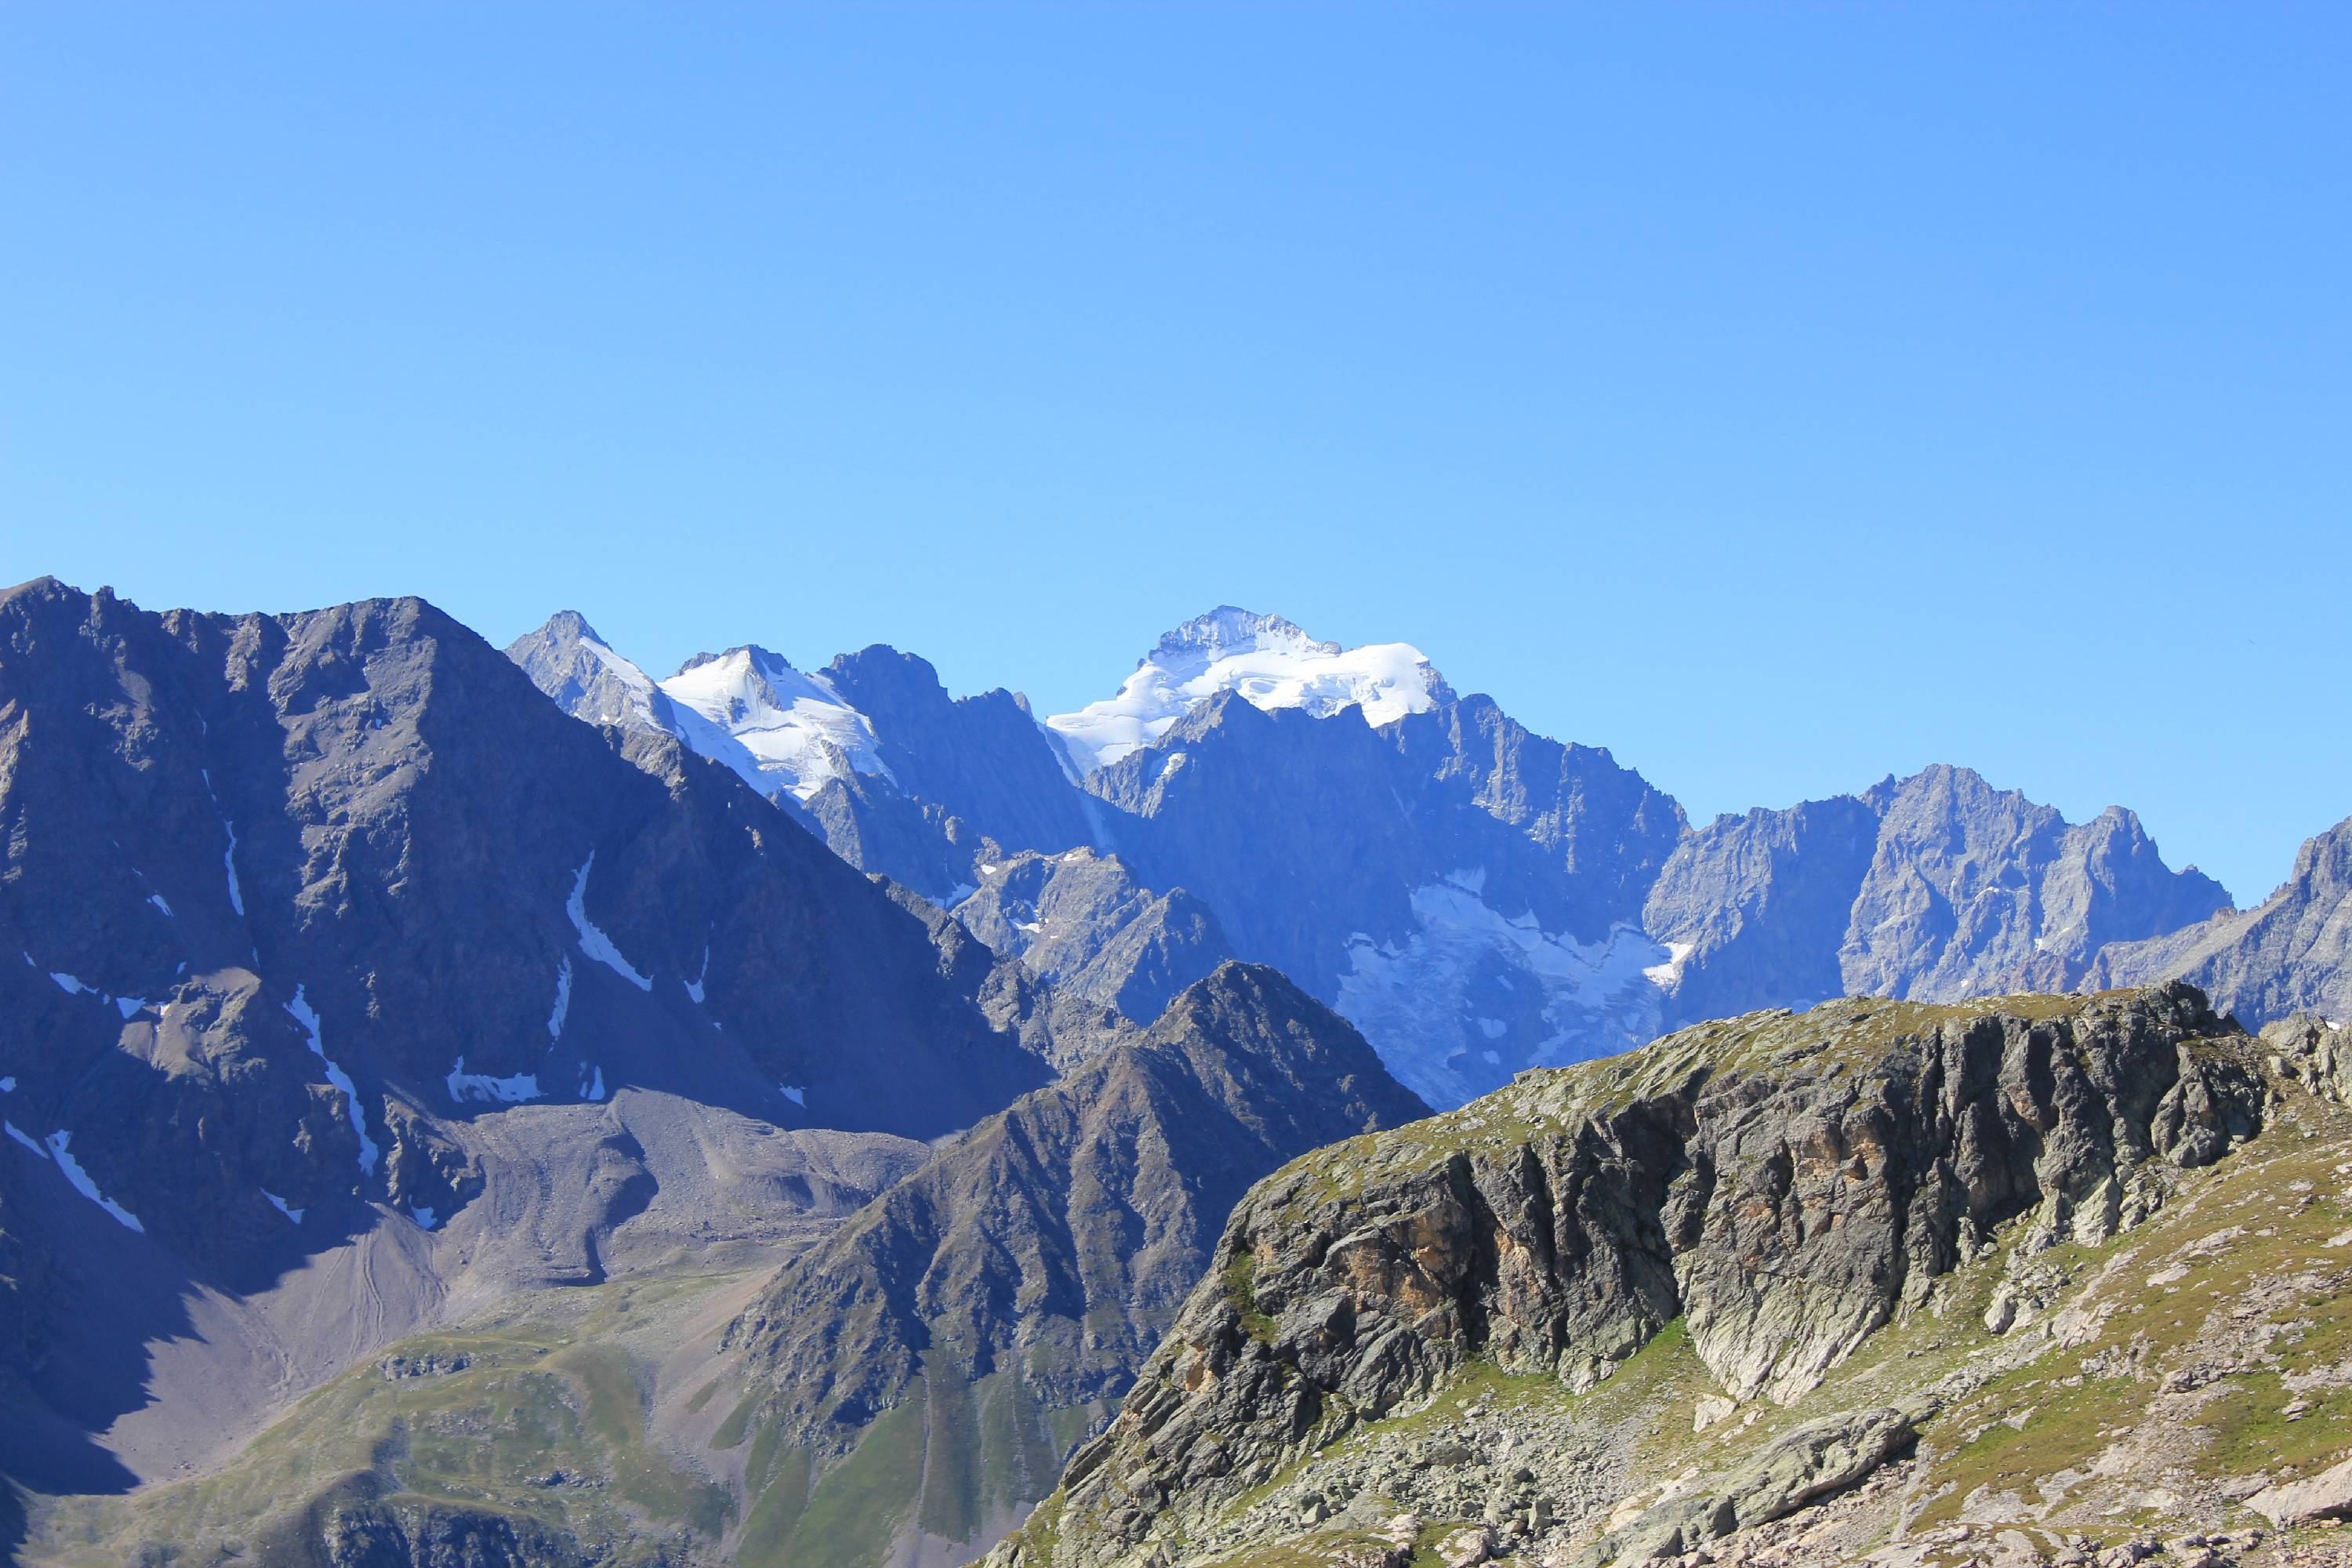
x: 1780, y: 396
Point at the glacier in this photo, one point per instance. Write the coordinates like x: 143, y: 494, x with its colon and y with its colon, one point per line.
x: 1267, y: 660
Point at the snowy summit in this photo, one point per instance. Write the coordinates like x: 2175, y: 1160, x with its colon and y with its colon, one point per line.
x: 791, y: 731
x: 1267, y: 660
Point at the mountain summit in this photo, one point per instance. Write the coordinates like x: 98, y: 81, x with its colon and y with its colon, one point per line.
x: 1268, y: 660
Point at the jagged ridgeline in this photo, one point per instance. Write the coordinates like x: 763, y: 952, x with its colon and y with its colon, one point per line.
x: 351, y: 988
x: 1475, y: 898
x: 2039, y: 1278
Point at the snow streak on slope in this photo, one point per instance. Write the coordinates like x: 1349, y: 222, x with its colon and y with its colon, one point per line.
x: 83, y: 1184
x: 464, y: 1086
x: 307, y: 1016
x: 593, y: 943
x: 778, y: 728
x: 1471, y: 995
x: 1267, y: 661
x: 562, y: 998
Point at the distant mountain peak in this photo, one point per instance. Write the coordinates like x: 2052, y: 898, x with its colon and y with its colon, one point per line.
x: 571, y: 624
x: 1265, y: 660
x: 1228, y: 630
x: 567, y: 659
x: 748, y: 655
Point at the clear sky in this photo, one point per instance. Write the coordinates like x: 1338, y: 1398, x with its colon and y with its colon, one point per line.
x: 1779, y: 397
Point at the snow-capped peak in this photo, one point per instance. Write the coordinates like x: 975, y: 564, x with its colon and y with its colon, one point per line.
x: 780, y: 729
x: 1267, y: 660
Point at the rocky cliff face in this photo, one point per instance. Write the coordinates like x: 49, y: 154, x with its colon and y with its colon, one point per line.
x: 579, y: 670
x: 999, y: 1298
x: 2292, y: 954
x: 1773, y: 1189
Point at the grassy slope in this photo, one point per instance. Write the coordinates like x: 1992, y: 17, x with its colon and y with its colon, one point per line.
x: 558, y: 1385
x: 552, y: 1419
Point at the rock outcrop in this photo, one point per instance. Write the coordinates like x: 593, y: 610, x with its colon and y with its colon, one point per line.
x: 1783, y: 1185
x: 2327, y: 1495
x: 1815, y: 1460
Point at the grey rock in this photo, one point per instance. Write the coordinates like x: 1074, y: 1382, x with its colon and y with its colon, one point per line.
x: 2327, y: 1495
x: 1933, y: 888
x: 1466, y: 1548
x: 984, y: 759
x: 2314, y: 1052
x: 580, y: 672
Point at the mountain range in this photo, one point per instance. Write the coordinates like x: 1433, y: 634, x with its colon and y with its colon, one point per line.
x: 1474, y: 898
x: 466, y: 1108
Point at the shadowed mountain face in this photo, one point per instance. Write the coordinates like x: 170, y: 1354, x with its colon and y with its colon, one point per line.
x: 1078, y: 920
x: 302, y: 915
x: 995, y: 1304
x: 369, y: 804
x: 983, y: 759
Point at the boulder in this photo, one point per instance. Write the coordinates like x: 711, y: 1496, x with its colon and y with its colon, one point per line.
x: 2327, y: 1495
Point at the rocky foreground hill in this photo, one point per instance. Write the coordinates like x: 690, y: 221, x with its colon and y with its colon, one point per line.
x: 2040, y: 1280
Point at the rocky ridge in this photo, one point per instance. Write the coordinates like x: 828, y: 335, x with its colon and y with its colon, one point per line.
x: 1933, y: 888
x: 1079, y: 922
x: 1023, y: 1274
